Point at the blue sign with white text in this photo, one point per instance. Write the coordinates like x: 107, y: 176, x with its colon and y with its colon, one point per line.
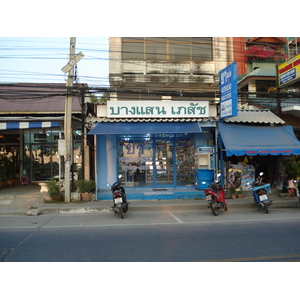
x: 228, y: 92
x: 287, y: 76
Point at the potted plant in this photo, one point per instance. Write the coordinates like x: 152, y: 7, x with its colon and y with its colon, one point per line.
x: 293, y: 167
x: 2, y: 173
x: 54, y: 190
x: 239, y: 193
x: 9, y: 167
x: 232, y: 192
x: 85, y: 188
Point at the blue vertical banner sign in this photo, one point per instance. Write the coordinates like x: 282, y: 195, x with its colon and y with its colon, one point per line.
x: 228, y: 92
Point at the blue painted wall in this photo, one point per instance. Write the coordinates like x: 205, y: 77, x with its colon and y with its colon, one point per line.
x: 106, y: 169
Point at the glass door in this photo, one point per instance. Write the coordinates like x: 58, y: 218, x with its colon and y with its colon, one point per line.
x: 185, y: 162
x: 43, y: 166
x: 147, y: 162
x: 164, y: 162
x: 135, y: 156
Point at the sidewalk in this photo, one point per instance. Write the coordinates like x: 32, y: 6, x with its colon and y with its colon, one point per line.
x: 27, y: 200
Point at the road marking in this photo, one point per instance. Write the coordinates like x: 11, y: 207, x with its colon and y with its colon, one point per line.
x: 177, y: 219
x: 275, y: 257
x: 123, y: 223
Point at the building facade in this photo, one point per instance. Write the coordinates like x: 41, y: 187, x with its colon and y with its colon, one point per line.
x: 264, y: 105
x: 258, y: 58
x: 158, y: 128
x: 31, y: 124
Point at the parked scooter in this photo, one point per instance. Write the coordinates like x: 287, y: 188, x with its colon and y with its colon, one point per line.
x: 260, y: 195
x: 215, y: 196
x: 121, y: 205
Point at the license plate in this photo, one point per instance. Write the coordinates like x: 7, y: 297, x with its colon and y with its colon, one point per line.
x: 263, y: 197
x: 118, y: 200
x: 208, y: 197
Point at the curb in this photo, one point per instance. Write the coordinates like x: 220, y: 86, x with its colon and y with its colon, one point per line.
x: 103, y: 206
x: 157, y: 206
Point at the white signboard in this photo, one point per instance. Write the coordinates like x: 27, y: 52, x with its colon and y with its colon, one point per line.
x: 157, y: 109
x: 61, y: 147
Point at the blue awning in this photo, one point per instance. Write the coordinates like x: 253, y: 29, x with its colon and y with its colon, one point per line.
x: 27, y: 125
x: 145, y: 127
x: 242, y: 140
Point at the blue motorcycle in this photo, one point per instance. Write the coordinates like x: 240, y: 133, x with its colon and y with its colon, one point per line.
x: 260, y: 194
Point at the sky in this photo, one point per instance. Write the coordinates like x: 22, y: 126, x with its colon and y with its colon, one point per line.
x: 40, y: 59
x: 34, y: 43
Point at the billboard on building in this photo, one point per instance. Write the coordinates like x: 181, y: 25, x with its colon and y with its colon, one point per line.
x: 228, y: 92
x: 288, y: 72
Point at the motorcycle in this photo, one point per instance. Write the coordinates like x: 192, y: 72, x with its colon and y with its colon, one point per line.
x: 261, y: 198
x: 215, y: 196
x: 121, y: 205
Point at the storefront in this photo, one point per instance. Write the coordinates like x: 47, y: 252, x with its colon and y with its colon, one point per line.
x: 251, y: 149
x: 31, y: 148
x: 41, y: 157
x: 152, y: 154
x: 156, y: 160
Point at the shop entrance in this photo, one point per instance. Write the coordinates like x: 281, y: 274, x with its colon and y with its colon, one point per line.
x: 42, y: 162
x: 164, y: 165
x: 156, y: 160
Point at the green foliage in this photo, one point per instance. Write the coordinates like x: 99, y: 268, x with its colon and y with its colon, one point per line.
x: 85, y: 186
x: 232, y: 190
x: 94, y: 99
x: 293, y: 167
x: 8, y: 166
x: 53, y: 188
x: 105, y: 97
x: 102, y: 100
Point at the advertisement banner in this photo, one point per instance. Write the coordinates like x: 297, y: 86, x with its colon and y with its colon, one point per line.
x: 289, y: 71
x: 228, y: 92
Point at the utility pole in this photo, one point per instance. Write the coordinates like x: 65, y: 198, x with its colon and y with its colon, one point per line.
x: 68, y: 130
x: 68, y: 123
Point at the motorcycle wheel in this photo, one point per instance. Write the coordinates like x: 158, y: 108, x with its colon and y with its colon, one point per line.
x: 225, y: 207
x: 267, y: 208
x: 214, y: 206
x: 125, y: 208
x: 121, y: 212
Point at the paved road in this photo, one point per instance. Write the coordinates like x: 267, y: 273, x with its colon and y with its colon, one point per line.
x: 178, y: 236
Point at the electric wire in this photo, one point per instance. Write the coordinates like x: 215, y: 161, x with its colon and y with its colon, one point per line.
x: 95, y: 80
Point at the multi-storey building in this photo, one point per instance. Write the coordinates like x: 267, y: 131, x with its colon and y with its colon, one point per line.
x: 262, y: 97
x: 258, y: 58
x: 159, y: 127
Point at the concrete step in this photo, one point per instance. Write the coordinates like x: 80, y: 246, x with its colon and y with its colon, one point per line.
x: 22, y: 197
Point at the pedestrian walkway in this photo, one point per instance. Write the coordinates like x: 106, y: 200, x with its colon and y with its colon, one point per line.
x: 28, y: 200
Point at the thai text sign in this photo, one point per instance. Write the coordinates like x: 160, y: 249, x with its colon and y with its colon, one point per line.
x: 228, y: 91
x: 157, y: 109
x: 289, y: 71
